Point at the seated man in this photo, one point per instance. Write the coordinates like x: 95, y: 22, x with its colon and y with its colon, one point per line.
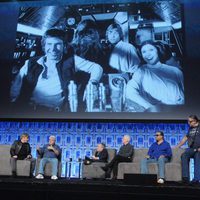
x: 50, y: 153
x: 124, y: 155
x: 21, y: 150
x: 159, y: 152
x: 101, y: 155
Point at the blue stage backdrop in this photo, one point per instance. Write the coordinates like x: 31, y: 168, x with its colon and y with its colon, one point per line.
x: 78, y: 139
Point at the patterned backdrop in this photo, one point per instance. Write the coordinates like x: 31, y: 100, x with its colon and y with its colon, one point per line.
x: 78, y: 139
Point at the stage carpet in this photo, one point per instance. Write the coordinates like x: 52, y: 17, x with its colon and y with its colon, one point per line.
x: 47, y: 189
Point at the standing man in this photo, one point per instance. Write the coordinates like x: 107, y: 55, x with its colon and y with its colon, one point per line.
x: 125, y: 154
x: 42, y: 83
x: 193, y: 150
x: 21, y: 150
x: 159, y: 152
x: 49, y: 153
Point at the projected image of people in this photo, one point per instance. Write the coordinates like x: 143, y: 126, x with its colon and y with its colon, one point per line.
x: 46, y: 83
x: 96, y: 59
x: 154, y: 84
x: 123, y: 55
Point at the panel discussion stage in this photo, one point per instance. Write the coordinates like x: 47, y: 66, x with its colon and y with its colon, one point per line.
x: 74, y: 188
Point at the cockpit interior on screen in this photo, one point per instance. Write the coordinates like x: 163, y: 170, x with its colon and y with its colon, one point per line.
x: 125, y: 58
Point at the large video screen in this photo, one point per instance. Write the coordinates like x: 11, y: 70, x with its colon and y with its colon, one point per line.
x: 102, y: 61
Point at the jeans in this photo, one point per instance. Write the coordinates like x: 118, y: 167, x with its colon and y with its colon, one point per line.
x: 185, y: 160
x: 161, y: 166
x: 54, y: 164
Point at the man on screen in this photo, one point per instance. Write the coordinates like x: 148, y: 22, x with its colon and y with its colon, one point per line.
x: 42, y: 83
x: 123, y: 57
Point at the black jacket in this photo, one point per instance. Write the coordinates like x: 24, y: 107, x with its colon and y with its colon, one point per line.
x: 66, y: 72
x: 16, y: 146
x: 126, y: 151
x: 103, y: 155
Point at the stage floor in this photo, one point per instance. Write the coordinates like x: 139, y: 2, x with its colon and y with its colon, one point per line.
x: 31, y: 188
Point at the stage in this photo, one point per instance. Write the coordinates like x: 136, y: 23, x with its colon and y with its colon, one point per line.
x: 31, y: 188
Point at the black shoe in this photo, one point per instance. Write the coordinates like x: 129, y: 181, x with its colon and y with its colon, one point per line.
x: 195, y: 183
x: 104, y: 168
x: 185, y: 181
x: 107, y: 175
x: 114, y: 178
x: 31, y: 176
x: 14, y: 175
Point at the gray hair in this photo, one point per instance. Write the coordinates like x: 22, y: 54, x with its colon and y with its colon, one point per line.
x: 127, y: 137
x: 53, y: 137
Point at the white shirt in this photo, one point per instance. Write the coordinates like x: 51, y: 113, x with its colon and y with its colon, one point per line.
x: 158, y: 83
x: 48, y: 91
x: 124, y: 57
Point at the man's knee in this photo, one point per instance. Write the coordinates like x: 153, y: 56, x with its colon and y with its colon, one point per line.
x: 162, y: 159
x: 54, y: 162
x: 143, y: 161
x: 197, y: 156
x: 184, y: 156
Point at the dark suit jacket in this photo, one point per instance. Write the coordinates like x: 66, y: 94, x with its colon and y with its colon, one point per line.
x: 103, y: 156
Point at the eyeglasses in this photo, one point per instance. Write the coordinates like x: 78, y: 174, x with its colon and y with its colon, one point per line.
x: 157, y: 135
x: 190, y: 121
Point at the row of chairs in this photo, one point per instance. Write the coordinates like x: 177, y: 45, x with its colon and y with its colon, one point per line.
x: 172, y: 169
x: 23, y: 166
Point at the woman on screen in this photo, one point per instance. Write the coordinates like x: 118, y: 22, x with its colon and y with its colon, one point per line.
x: 154, y: 84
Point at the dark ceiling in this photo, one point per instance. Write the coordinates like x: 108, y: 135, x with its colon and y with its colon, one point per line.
x: 49, y: 16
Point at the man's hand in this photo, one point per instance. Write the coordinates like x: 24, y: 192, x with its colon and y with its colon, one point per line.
x: 50, y: 147
x: 161, y: 156
x: 94, y: 91
x: 15, y: 156
x: 29, y: 156
x: 38, y: 148
x: 147, y: 156
x: 177, y: 146
x: 95, y: 158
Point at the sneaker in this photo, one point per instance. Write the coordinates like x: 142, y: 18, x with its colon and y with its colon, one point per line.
x: 54, y: 177
x: 39, y: 176
x: 160, y: 181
